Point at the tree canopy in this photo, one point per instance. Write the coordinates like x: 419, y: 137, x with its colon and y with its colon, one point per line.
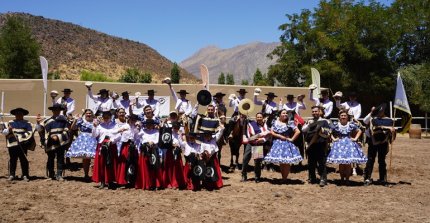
x: 19, y: 51
x: 355, y: 45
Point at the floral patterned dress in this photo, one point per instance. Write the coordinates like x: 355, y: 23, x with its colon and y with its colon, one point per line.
x: 283, y: 152
x: 84, y: 145
x: 344, y: 150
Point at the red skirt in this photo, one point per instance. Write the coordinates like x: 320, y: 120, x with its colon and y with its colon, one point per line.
x: 122, y: 163
x: 101, y: 172
x: 191, y: 184
x: 217, y: 184
x: 173, y: 174
x: 147, y: 177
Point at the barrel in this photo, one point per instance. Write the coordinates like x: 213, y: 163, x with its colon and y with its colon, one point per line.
x: 415, y: 131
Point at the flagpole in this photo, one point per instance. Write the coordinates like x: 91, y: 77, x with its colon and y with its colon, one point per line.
x: 391, y: 146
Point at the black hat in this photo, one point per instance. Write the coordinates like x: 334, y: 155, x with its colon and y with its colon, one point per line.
x: 103, y: 91
x: 19, y: 110
x: 204, y: 97
x: 151, y: 92
x: 242, y: 90
x: 56, y: 106
x: 219, y: 94
x: 67, y: 90
x: 149, y: 121
x: 176, y: 125
x: 379, y: 108
x: 290, y: 96
x: 325, y: 91
x: 183, y: 92
x: 125, y: 93
x: 271, y: 94
x: 106, y: 113
x: 133, y: 116
x: 352, y: 94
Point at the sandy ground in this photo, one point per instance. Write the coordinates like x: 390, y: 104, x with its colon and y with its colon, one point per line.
x: 406, y: 199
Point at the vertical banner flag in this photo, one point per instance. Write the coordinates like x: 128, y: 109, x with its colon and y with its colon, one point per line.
x: 316, y: 81
x: 204, y: 72
x: 401, y: 103
x: 44, y: 66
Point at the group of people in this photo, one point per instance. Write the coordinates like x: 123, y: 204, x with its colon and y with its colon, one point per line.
x: 183, y: 150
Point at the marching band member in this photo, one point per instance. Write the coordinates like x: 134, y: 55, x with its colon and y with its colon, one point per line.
x: 283, y: 151
x: 127, y: 160
x: 382, y: 133
x: 67, y: 102
x: 149, y: 174
x: 234, y: 101
x: 324, y: 101
x: 54, y: 136
x: 16, y: 132
x: 105, y: 161
x: 317, y: 139
x: 84, y: 146
x: 103, y: 102
x: 255, y: 138
x: 345, y: 150
x: 352, y: 106
x: 269, y: 108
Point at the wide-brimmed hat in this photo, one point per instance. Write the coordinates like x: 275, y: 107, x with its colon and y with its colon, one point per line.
x: 313, y: 87
x: 19, y: 110
x: 173, y: 112
x: 379, y: 108
x: 103, y: 91
x: 242, y: 91
x: 56, y: 106
x: 338, y: 94
x: 67, y: 90
x: 290, y: 96
x: 204, y: 97
x: 183, y: 92
x: 271, y: 94
x: 352, y: 94
x: 219, y: 94
x: 125, y: 93
x: 151, y: 91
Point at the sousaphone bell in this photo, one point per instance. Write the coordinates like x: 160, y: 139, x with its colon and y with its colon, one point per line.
x: 204, y: 97
x: 246, y: 106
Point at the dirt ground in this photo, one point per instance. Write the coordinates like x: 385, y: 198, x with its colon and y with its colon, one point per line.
x: 406, y: 199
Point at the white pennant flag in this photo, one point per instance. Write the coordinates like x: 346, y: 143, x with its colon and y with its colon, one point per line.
x: 44, y: 66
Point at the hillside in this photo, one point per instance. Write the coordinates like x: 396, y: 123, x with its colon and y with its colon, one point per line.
x: 242, y: 61
x: 70, y: 48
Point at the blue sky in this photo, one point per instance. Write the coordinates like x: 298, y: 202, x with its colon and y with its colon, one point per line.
x: 176, y: 29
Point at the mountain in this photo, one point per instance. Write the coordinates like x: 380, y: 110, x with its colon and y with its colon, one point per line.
x: 70, y: 48
x: 241, y: 61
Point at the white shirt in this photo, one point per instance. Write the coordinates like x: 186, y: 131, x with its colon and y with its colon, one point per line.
x: 293, y: 106
x: 353, y: 107
x: 106, y: 129
x: 102, y: 104
x: 270, y: 107
x: 149, y: 135
x: 211, y: 146
x: 182, y: 105
x: 192, y: 147
x: 125, y: 104
x: 327, y: 104
x: 70, y: 103
x: 235, y: 103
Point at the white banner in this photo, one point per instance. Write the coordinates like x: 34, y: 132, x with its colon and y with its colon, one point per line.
x: 164, y: 104
x: 44, y: 66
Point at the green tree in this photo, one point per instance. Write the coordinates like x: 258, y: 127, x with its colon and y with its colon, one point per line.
x: 19, y: 50
x: 175, y: 74
x: 258, y: 77
x: 145, y: 78
x: 131, y: 75
x: 416, y: 79
x: 221, y: 78
x: 229, y: 80
x: 347, y: 42
x: 244, y: 82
